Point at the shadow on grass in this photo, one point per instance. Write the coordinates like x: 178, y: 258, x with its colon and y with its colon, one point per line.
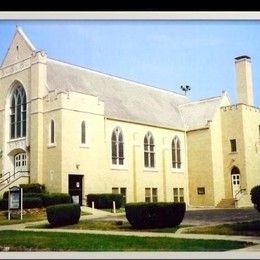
x: 251, y: 228
x: 108, y: 225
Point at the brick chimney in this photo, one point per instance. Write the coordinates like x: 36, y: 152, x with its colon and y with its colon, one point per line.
x: 244, y: 80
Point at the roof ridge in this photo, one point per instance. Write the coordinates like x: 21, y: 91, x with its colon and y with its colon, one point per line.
x: 201, y: 101
x: 116, y: 77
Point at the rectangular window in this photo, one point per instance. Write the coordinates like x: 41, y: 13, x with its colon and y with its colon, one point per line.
x: 151, y: 195
x: 115, y: 190
x: 233, y: 145
x: 178, y: 194
x: 147, y: 195
x: 122, y: 191
x: 154, y: 195
x: 259, y: 131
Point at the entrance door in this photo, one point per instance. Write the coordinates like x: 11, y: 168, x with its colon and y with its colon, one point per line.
x: 235, y: 180
x: 75, y: 188
x: 20, y: 162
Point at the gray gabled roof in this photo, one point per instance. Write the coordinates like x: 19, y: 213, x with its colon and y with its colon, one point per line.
x: 125, y: 100
x: 196, y: 114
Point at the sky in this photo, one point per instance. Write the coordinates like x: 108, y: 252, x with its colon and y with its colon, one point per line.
x: 161, y: 53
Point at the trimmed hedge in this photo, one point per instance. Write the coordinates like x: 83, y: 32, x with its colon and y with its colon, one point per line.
x: 32, y: 188
x: 28, y: 203
x: 105, y: 200
x: 32, y: 202
x: 63, y: 214
x: 255, y: 197
x: 25, y: 195
x: 49, y: 199
x: 155, y: 215
x: 3, y: 204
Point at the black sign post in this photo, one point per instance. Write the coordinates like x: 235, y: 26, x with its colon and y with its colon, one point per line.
x: 15, y: 200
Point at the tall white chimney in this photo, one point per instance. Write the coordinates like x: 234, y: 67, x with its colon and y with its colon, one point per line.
x: 244, y: 80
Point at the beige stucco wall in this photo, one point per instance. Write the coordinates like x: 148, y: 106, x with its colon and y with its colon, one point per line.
x: 200, y: 168
x: 94, y: 159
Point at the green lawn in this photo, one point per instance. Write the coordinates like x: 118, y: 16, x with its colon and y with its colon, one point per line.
x: 244, y: 229
x: 42, y: 241
x: 30, y: 216
x: 109, y: 225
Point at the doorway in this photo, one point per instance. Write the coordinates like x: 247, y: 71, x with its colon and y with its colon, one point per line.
x: 20, y: 162
x: 75, y: 188
x: 235, y: 181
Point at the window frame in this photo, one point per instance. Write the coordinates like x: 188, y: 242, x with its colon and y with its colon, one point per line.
x: 176, y: 150
x: 117, y: 148
x: 149, y: 151
x: 18, y: 113
x: 151, y: 195
x: 178, y: 194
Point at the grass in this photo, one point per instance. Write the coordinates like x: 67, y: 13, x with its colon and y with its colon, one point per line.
x: 243, y: 229
x: 50, y: 241
x: 109, y: 225
x: 29, y: 216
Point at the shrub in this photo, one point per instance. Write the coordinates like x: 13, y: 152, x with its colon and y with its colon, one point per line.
x: 155, y: 215
x: 3, y: 204
x: 32, y: 202
x: 63, y: 214
x: 55, y: 198
x: 25, y: 195
x: 32, y: 188
x: 105, y: 200
x: 28, y: 203
x: 255, y: 197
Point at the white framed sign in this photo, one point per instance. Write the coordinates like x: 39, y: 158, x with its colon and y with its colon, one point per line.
x: 15, y: 200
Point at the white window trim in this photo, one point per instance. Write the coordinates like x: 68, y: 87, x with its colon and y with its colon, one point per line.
x: 52, y: 145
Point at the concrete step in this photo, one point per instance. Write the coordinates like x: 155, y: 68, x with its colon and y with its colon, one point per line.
x: 226, y: 203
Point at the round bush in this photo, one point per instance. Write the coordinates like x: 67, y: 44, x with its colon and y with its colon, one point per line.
x: 63, y: 214
x: 255, y: 197
x: 155, y: 215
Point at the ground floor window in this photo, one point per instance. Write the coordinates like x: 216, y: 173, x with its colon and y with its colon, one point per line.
x: 122, y: 190
x: 151, y: 194
x: 178, y: 194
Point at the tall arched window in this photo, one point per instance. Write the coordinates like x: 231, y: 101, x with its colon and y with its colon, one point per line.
x: 83, y: 132
x: 117, y: 147
x: 18, y: 113
x: 176, y: 153
x: 52, y: 132
x: 149, y: 154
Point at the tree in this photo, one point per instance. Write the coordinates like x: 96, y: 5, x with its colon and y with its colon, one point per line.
x: 255, y: 197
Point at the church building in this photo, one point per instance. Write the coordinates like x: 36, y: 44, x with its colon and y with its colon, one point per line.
x: 79, y: 131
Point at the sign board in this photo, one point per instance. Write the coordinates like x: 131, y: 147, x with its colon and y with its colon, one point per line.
x: 14, y: 198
